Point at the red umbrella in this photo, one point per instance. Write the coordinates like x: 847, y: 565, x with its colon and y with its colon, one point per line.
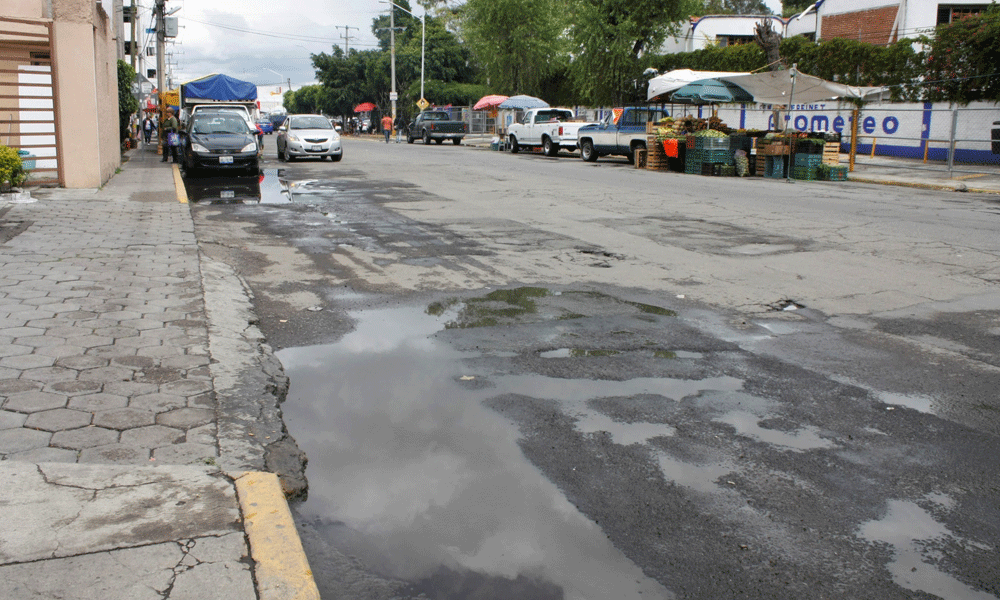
x: 489, y: 102
x: 364, y: 107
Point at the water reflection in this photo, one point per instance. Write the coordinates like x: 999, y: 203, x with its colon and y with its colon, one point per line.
x: 267, y: 187
x: 428, y: 477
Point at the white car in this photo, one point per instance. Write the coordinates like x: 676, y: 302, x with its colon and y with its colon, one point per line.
x: 308, y: 135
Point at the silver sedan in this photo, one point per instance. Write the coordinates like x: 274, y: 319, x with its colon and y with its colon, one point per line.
x: 308, y: 135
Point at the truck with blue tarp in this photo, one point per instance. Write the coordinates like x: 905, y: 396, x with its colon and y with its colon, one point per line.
x: 218, y: 91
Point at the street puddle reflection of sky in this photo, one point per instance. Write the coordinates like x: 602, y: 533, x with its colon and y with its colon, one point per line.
x: 415, y: 464
x: 748, y: 425
x: 912, y: 531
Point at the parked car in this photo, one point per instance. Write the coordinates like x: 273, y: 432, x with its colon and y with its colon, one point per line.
x: 220, y: 140
x: 550, y: 128
x: 265, y: 126
x: 308, y: 135
x: 621, y: 137
x: 436, y: 125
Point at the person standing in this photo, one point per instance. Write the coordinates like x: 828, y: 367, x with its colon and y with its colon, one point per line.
x: 400, y: 126
x: 387, y: 127
x: 169, y: 125
x: 147, y: 129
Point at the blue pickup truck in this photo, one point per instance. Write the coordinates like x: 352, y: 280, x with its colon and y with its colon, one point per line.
x: 621, y: 137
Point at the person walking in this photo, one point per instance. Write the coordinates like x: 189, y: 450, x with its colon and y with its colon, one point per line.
x: 387, y: 127
x: 147, y: 129
x: 169, y: 126
x: 400, y: 126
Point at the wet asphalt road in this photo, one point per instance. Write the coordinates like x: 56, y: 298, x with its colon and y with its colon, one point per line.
x: 522, y: 377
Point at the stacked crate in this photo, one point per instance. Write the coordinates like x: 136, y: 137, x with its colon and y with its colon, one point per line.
x: 656, y: 159
x: 775, y: 166
x: 806, y: 166
x: 831, y: 153
x: 708, y: 151
x: 838, y: 173
x: 692, y: 156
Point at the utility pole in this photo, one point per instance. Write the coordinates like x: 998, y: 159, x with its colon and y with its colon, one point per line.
x: 160, y: 51
x: 347, y: 38
x: 135, y: 42
x: 392, y: 49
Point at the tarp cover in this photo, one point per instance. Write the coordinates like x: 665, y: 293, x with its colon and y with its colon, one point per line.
x: 220, y: 88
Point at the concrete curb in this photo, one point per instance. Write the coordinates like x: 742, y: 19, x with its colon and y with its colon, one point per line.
x: 921, y: 186
x: 281, y: 568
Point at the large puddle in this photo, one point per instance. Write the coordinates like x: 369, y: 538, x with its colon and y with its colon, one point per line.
x: 419, y: 481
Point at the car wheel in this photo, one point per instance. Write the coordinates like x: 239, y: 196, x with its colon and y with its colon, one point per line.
x: 512, y: 144
x: 253, y: 168
x: 281, y: 156
x: 337, y: 157
x: 427, y: 138
x: 409, y: 139
x: 549, y: 147
x: 439, y: 141
x: 288, y: 155
x: 587, y: 151
x: 456, y: 141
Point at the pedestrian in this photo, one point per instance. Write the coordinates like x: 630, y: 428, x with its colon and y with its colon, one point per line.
x: 147, y: 129
x: 169, y: 132
x: 387, y: 127
x: 400, y: 126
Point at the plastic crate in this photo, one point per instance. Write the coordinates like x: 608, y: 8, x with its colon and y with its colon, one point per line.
x: 775, y: 167
x: 808, y: 160
x: 728, y: 171
x: 805, y: 173
x: 838, y: 174
x: 717, y: 156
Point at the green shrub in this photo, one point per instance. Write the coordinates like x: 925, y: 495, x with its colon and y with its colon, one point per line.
x: 11, y: 169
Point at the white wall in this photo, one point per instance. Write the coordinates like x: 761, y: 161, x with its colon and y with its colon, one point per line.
x: 710, y: 27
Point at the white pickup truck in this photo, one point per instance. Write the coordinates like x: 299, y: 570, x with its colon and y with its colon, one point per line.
x: 548, y: 128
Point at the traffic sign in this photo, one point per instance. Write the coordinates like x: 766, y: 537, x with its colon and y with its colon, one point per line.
x: 393, y: 96
x: 423, y: 103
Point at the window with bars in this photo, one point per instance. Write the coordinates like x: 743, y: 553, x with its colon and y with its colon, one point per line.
x: 949, y: 13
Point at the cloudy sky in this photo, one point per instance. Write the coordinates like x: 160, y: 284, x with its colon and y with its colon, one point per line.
x: 268, y: 42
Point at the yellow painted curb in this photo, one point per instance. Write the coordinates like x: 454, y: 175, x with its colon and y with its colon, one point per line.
x: 282, y: 570
x: 182, y: 195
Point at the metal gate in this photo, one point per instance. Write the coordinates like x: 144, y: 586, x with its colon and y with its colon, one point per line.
x: 29, y: 98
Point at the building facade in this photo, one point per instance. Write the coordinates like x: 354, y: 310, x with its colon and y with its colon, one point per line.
x: 60, y: 100
x: 878, y: 21
x: 718, y: 30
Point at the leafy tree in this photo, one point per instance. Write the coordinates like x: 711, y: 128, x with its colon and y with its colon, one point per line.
x: 127, y: 104
x: 961, y: 62
x: 735, y: 7
x: 794, y: 7
x: 516, y: 42
x: 609, y: 38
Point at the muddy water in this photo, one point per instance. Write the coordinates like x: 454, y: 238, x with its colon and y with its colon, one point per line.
x: 412, y: 476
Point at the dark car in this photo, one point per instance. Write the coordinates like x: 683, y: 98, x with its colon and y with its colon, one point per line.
x: 220, y: 140
x: 265, y: 126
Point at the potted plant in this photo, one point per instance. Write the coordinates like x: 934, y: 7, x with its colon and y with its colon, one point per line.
x: 12, y: 171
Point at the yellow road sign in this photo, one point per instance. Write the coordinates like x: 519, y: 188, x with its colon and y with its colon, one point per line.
x: 423, y: 103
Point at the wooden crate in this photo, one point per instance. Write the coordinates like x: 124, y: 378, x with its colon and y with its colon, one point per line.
x: 761, y: 167
x: 656, y: 160
x: 831, y: 153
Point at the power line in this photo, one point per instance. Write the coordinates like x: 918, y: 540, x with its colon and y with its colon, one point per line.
x: 281, y: 36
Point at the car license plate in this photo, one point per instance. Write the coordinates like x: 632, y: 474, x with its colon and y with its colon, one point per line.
x: 227, y: 194
x: 225, y: 160
x: 317, y: 148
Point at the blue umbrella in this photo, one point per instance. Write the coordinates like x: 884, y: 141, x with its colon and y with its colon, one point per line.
x: 523, y: 103
x: 711, y: 91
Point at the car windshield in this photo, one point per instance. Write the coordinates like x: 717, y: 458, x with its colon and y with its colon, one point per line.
x: 207, y: 124
x: 309, y: 123
x: 436, y: 116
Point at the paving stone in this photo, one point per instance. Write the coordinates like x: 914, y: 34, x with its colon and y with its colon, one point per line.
x: 107, y: 374
x: 188, y: 361
x: 130, y: 388
x: 15, y: 386
x: 124, y: 418
x: 200, y: 373
x: 186, y: 418
x: 111, y: 351
x: 85, y: 437
x: 120, y: 454
x: 152, y: 436
x: 8, y: 373
x: 187, y: 387
x: 14, y: 350
x: 206, y: 434
x: 98, y: 402
x: 202, y: 401
x: 31, y: 402
x: 11, y: 320
x: 22, y: 439
x: 41, y: 341
x: 24, y: 292
x: 50, y: 374
x: 58, y: 419
x: 16, y: 332
x: 78, y: 315
x: 159, y: 375
x: 185, y: 454
x: 84, y: 361
x: 74, y: 388
x: 117, y: 332
x: 162, y: 351
x: 40, y: 455
x: 158, y: 402
x: 143, y: 324
x: 141, y: 341
x: 58, y: 352
x: 26, y: 361
x: 69, y: 331
x: 92, y: 341
x: 10, y: 420
x: 139, y: 363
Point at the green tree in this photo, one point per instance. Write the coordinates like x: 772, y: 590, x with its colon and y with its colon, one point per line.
x: 609, y: 39
x: 735, y: 7
x: 517, y: 43
x: 127, y: 104
x: 793, y: 7
x: 962, y: 60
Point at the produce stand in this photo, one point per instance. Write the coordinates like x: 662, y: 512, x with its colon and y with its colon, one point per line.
x: 708, y: 147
